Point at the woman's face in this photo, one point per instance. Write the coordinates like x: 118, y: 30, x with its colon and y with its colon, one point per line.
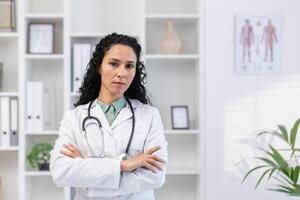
x: 117, y: 70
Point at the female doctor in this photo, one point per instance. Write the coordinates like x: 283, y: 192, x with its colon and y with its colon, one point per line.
x: 112, y: 144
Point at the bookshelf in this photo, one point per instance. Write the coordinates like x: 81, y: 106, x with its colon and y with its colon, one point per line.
x: 180, y: 76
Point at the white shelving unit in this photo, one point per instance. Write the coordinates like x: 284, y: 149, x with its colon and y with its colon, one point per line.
x: 179, y: 76
x: 9, y: 156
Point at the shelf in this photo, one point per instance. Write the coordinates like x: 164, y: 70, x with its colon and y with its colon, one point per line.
x: 182, y: 132
x: 172, y: 16
x: 37, y: 173
x: 172, y: 56
x: 8, y: 35
x: 9, y: 94
x: 41, y: 133
x: 87, y: 35
x: 12, y: 148
x: 44, y: 16
x: 182, y: 171
x: 44, y: 56
x: 93, y: 35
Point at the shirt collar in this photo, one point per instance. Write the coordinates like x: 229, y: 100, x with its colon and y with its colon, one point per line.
x: 118, y: 105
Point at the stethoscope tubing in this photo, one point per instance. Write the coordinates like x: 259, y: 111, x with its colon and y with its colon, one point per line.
x: 88, y: 117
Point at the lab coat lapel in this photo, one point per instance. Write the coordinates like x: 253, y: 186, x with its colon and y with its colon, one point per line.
x: 97, y: 112
x: 124, y: 114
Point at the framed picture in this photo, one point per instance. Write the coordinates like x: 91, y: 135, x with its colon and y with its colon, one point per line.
x: 180, y: 117
x: 258, y: 41
x: 41, y: 38
x: 7, y: 16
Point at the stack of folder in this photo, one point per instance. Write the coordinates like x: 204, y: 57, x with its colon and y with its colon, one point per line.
x: 8, y: 122
x: 34, y: 106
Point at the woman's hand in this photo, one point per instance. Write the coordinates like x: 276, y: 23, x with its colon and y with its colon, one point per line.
x: 146, y: 160
x: 71, y: 151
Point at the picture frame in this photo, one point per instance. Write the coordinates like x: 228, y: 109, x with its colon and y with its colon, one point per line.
x: 7, y: 16
x: 41, y: 38
x: 180, y: 117
x: 258, y: 42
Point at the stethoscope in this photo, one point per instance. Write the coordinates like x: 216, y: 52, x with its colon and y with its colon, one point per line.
x: 89, y: 117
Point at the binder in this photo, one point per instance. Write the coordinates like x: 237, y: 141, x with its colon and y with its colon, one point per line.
x: 49, y: 112
x: 30, y: 106
x: 38, y: 106
x: 5, y: 124
x: 77, y: 63
x: 14, y: 133
x: 81, y: 57
x: 34, y: 105
x: 86, y: 56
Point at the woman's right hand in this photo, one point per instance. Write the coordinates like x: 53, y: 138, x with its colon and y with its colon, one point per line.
x: 147, y: 160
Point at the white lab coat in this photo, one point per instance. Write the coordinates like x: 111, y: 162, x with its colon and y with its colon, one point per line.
x: 100, y: 178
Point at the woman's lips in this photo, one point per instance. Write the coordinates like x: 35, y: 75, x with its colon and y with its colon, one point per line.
x: 119, y: 83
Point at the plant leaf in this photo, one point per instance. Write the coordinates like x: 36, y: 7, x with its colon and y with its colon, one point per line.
x: 271, y: 132
x: 287, y: 179
x: 261, y: 178
x: 278, y: 158
x: 268, y: 161
x: 252, y: 170
x: 293, y: 133
x: 295, y: 174
x: 284, y: 132
x: 271, y: 173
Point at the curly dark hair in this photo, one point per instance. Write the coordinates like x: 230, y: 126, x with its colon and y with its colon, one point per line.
x: 91, y: 84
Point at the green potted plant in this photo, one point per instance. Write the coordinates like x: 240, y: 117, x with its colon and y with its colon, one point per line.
x: 280, y: 164
x: 39, y: 157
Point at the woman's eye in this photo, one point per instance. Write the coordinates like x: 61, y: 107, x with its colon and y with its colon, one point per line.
x: 113, y: 64
x: 130, y: 66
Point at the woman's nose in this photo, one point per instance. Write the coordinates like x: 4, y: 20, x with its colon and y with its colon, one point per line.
x: 121, y: 72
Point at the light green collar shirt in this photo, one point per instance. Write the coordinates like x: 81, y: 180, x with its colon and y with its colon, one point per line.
x: 112, y: 111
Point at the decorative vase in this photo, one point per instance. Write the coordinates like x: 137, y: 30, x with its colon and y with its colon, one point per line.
x: 170, y: 42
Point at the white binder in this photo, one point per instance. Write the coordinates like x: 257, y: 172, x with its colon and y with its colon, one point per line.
x: 81, y: 57
x: 38, y: 106
x: 86, y: 57
x: 30, y: 106
x: 14, y: 133
x: 49, y: 112
x: 34, y: 105
x: 4, y: 119
x: 77, y: 63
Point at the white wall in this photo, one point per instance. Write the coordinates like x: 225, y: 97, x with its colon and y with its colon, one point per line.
x: 237, y: 105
